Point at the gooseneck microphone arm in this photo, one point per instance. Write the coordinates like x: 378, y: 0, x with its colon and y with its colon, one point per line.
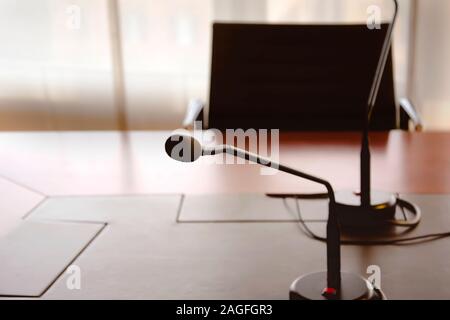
x: 382, y: 63
x: 267, y: 163
x: 333, y: 230
x: 365, y: 148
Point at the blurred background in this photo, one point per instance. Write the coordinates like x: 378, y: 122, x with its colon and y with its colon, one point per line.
x: 135, y: 64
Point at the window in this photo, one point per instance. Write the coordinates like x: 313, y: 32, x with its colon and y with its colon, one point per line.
x: 135, y: 64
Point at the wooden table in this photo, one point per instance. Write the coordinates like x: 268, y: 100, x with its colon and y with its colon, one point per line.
x: 102, y: 163
x: 142, y: 248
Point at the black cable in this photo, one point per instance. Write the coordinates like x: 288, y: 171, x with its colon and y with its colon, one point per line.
x: 405, y: 217
x: 402, y: 241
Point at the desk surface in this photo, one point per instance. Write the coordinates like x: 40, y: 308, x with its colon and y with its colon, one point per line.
x: 112, y: 163
x: 184, y: 256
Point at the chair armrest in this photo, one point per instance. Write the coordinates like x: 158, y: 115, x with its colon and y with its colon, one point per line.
x: 412, y: 113
x: 194, y: 112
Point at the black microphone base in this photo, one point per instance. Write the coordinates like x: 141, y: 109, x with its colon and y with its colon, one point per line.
x: 353, y: 287
x: 353, y: 215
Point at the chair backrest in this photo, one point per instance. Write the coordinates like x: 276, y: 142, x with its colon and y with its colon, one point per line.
x: 298, y: 77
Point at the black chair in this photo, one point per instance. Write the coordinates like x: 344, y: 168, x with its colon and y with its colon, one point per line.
x: 299, y: 78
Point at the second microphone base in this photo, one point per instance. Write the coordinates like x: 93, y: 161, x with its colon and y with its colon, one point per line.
x: 353, y: 215
x: 353, y: 287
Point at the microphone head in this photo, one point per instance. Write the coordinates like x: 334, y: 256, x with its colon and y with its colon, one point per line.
x: 183, y: 148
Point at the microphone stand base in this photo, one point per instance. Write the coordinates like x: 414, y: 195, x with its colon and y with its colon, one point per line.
x: 353, y: 287
x: 353, y: 215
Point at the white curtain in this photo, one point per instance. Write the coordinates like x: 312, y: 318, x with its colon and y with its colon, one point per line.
x: 166, y: 53
x: 57, y: 71
x: 55, y: 66
x: 430, y: 89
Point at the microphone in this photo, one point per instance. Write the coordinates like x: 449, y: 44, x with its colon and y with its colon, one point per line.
x: 370, y: 208
x: 185, y: 148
